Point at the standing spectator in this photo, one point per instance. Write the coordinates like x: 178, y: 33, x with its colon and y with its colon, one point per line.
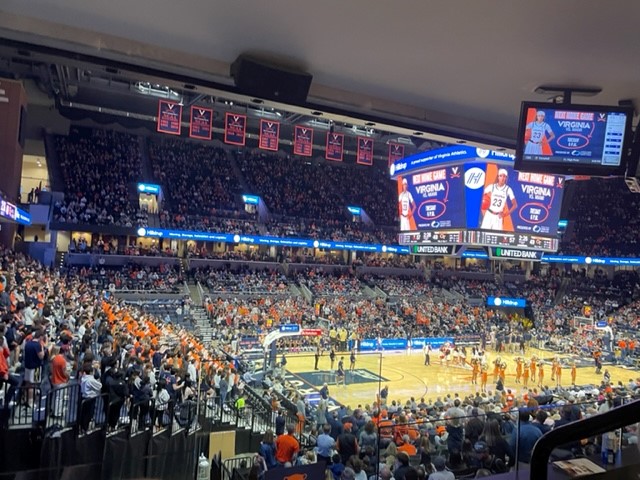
x: 162, y: 399
x: 347, y: 444
x: 280, y: 423
x: 268, y: 450
x: 368, y: 436
x: 59, y: 380
x: 496, y: 443
x: 403, y: 466
x: 90, y: 387
x: 5, y: 374
x: 118, y: 392
x: 474, y: 427
x: 527, y: 437
x: 325, y: 444
x: 301, y: 414
x: 34, y: 355
x: 287, y: 447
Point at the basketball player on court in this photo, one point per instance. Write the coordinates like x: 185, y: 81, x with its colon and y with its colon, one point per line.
x: 536, y: 134
x: 340, y: 375
x: 494, y: 203
x: 406, y: 206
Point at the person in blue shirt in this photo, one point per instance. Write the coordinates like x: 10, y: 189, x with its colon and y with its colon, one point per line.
x: 527, y: 436
x: 325, y: 444
x: 268, y: 450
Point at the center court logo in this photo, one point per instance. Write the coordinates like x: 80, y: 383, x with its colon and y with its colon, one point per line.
x: 474, y: 178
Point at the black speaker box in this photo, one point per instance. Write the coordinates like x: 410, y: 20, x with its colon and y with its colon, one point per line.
x: 259, y: 78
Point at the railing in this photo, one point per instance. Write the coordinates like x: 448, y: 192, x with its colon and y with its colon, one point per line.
x: 598, y: 424
x: 65, y: 408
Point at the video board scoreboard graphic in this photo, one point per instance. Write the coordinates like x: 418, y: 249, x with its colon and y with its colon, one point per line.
x: 478, y: 237
x: 432, y: 199
x: 487, y: 203
x: 574, y: 135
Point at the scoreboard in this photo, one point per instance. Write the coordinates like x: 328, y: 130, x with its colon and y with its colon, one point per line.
x: 480, y: 238
x: 463, y: 195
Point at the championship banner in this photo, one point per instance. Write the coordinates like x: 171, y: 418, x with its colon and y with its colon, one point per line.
x: 169, y: 117
x: 365, y: 151
x: 235, y: 127
x: 396, y: 152
x: 200, y: 123
x: 335, y: 146
x: 303, y: 141
x: 269, y: 135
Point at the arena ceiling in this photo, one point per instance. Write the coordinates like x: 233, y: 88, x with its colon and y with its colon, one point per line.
x: 461, y: 65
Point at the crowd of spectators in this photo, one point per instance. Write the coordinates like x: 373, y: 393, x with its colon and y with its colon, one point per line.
x: 605, y: 220
x: 389, y: 261
x: 132, y: 277
x: 291, y: 187
x: 100, y: 246
x: 134, y: 359
x: 247, y: 255
x: 59, y: 333
x: 443, y: 437
x: 243, y: 224
x: 202, y: 192
x: 255, y: 282
x: 366, y: 187
x: 323, y: 283
x: 335, y: 230
x: 100, y: 169
x: 402, y: 286
x: 197, y: 179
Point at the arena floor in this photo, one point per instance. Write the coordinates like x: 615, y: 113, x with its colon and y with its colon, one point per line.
x: 407, y: 376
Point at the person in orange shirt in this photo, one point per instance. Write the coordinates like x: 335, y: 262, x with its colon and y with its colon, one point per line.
x: 518, y: 369
x: 554, y: 365
x: 540, y: 373
x: 503, y: 372
x: 558, y: 374
x: 484, y: 376
x: 475, y: 369
x: 496, y: 369
x: 407, y: 447
x: 287, y: 447
x: 525, y: 377
x: 532, y: 369
x: 573, y: 373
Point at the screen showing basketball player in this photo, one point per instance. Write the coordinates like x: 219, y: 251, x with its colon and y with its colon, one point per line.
x: 538, y: 135
x: 498, y: 202
x: 406, y: 206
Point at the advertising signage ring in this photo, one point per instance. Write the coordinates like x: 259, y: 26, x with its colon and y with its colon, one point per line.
x: 433, y: 249
x: 516, y: 254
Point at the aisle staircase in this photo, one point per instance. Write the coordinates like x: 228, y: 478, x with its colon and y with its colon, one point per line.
x: 203, y: 325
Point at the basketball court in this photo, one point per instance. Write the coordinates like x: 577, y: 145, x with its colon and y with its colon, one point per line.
x: 407, y: 376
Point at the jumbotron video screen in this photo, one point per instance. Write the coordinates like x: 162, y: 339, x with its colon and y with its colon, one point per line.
x: 480, y: 203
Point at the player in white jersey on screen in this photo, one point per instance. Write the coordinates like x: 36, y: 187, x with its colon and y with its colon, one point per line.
x: 406, y: 205
x: 536, y: 133
x: 494, y: 203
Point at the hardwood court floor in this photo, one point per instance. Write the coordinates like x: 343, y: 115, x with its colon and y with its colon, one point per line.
x: 407, y: 376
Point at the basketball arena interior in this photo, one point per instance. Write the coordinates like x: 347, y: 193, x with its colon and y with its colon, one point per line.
x: 334, y: 241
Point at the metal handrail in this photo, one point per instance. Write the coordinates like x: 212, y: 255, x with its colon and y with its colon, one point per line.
x: 618, y: 417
